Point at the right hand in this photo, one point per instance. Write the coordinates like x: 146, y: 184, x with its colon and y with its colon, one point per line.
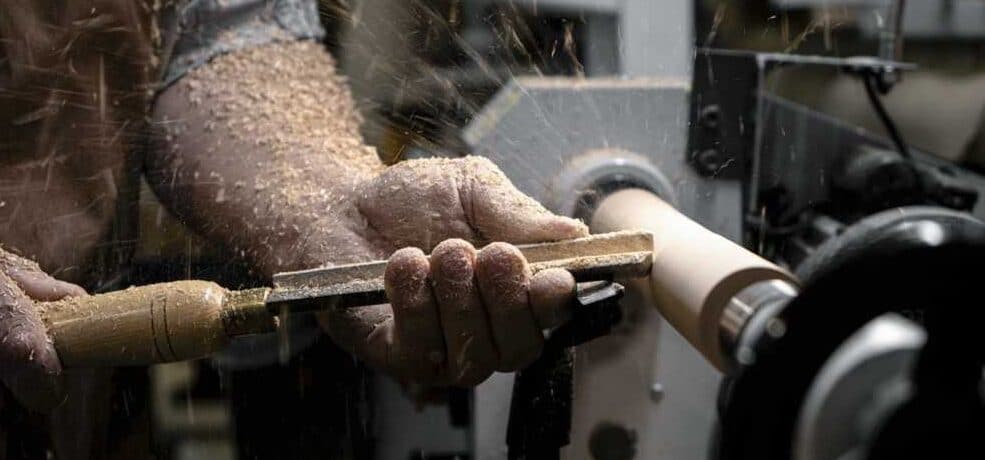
x: 29, y: 366
x: 466, y: 312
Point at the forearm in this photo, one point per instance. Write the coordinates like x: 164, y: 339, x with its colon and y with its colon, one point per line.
x: 261, y: 150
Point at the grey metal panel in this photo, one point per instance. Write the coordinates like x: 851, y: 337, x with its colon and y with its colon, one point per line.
x: 534, y: 127
x: 601, y: 58
x: 492, y: 412
x: 658, y: 38
x: 650, y: 380
x: 404, y: 426
x: 655, y: 37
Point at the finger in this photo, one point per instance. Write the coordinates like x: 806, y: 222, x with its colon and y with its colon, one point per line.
x: 42, y: 287
x: 552, y: 295
x: 419, y: 342
x: 500, y: 212
x: 29, y: 366
x: 37, y: 284
x: 471, y: 353
x: 504, y: 277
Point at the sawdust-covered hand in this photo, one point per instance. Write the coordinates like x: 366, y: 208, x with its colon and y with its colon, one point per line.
x: 465, y: 313
x: 29, y: 366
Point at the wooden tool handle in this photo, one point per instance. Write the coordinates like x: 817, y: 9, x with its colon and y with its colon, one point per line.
x: 139, y: 326
x: 695, y: 272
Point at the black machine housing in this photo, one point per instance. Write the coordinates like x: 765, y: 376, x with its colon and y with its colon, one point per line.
x: 871, y: 226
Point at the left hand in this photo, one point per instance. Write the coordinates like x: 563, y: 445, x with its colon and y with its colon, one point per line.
x: 465, y: 313
x: 29, y: 365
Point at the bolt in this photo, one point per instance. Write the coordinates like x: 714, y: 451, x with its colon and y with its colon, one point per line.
x: 612, y: 441
x: 710, y: 116
x: 709, y: 161
x: 776, y: 328
x: 656, y: 392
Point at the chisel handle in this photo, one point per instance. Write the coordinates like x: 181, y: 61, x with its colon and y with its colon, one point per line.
x: 143, y: 325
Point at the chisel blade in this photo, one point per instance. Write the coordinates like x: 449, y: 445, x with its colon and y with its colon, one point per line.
x: 593, y: 258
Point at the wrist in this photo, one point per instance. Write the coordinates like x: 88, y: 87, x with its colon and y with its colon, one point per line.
x: 326, y: 234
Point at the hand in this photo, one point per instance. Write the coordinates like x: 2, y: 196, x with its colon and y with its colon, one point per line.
x: 465, y: 313
x: 29, y: 366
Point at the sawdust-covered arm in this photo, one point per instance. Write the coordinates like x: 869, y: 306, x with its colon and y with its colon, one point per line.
x: 261, y: 151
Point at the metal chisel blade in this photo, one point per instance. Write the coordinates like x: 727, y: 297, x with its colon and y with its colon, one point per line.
x: 597, y: 257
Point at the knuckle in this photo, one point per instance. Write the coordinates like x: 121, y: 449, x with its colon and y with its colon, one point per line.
x: 453, y: 261
x: 551, y: 283
x: 555, y: 277
x: 406, y: 255
x: 504, y: 277
x: 407, y: 287
x: 407, y: 265
x: 551, y: 300
x: 452, y: 246
x: 501, y: 256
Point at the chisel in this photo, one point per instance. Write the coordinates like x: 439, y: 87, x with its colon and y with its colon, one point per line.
x: 191, y: 319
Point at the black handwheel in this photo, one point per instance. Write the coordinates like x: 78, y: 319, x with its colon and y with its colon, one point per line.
x: 925, y: 263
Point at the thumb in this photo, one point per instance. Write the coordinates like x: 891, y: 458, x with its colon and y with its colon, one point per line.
x: 500, y: 212
x: 37, y: 284
x: 42, y: 287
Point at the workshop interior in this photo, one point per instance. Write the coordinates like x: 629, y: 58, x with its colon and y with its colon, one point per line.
x: 809, y: 173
